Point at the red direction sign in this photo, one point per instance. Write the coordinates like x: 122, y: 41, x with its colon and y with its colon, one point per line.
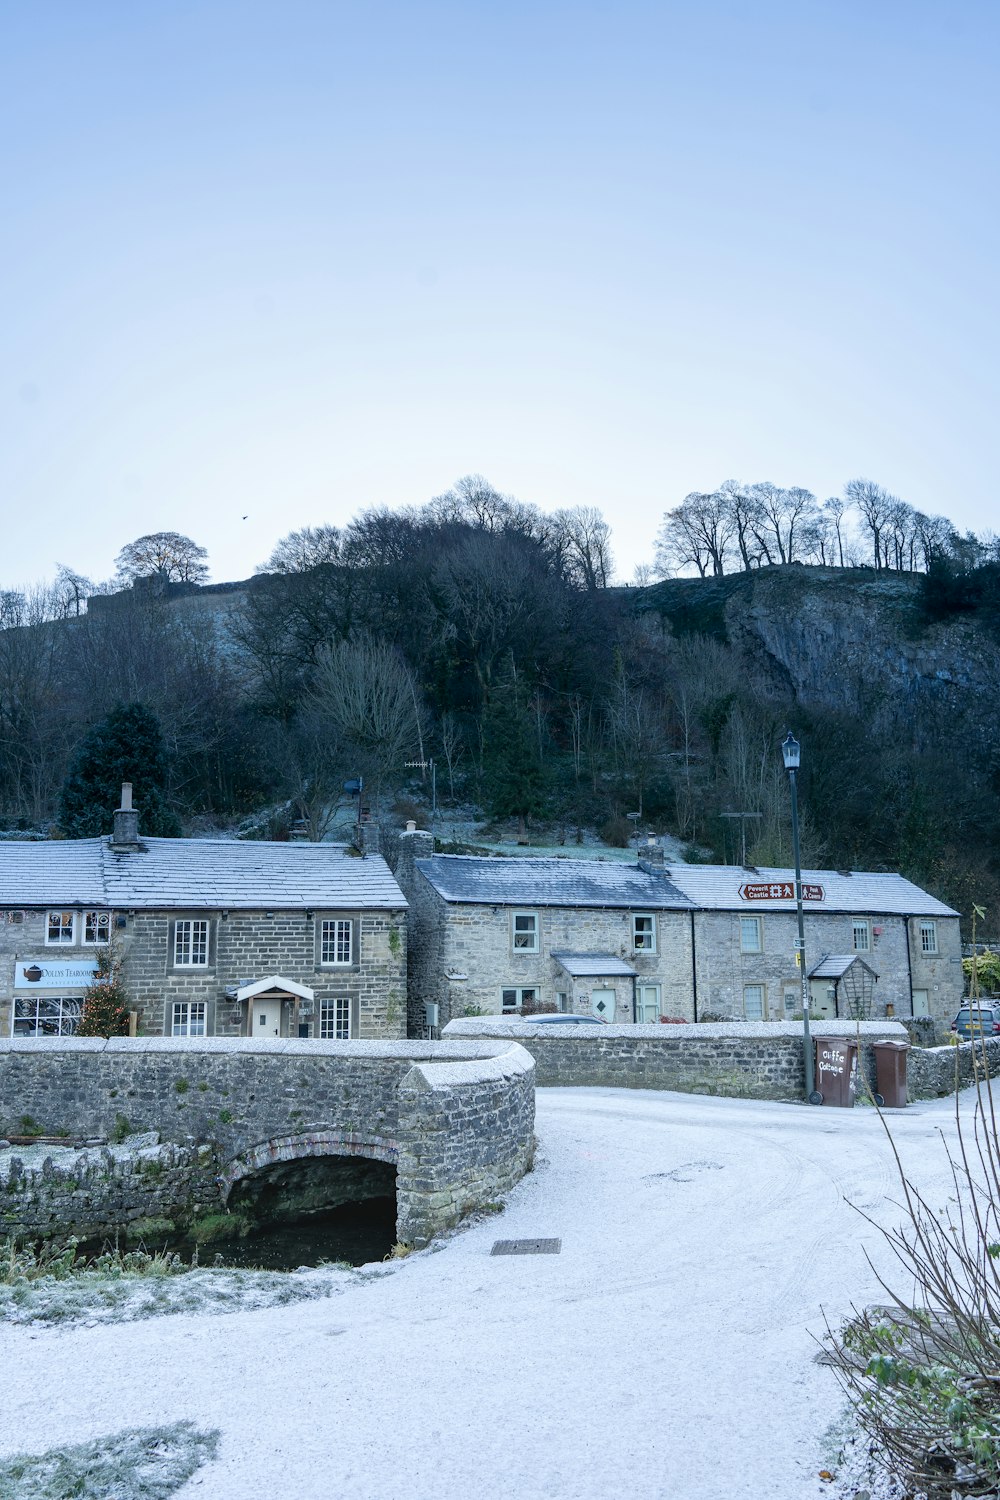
x: 780, y: 890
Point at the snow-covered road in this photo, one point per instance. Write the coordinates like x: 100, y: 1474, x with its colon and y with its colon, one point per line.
x: 666, y: 1351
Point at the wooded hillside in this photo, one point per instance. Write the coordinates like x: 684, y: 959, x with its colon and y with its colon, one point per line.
x: 489, y: 643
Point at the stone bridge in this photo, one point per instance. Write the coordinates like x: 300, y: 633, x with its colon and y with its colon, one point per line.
x: 449, y: 1126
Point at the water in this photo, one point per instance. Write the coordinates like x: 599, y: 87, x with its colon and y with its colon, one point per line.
x: 354, y: 1232
x: 357, y: 1233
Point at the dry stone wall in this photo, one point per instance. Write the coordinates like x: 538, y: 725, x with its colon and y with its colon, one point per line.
x: 740, y: 1061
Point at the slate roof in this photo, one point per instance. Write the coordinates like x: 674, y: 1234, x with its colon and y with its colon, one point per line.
x: 188, y: 874
x: 464, y: 878
x: 716, y: 888
x: 594, y: 965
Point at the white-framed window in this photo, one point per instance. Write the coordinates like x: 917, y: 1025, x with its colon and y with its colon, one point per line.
x: 647, y: 1003
x: 191, y: 948
x: 524, y: 931
x: 335, y: 1019
x: 38, y: 1016
x: 928, y: 937
x: 563, y: 1001
x: 753, y: 1002
x: 751, y: 940
x: 336, y: 941
x: 514, y: 998
x: 644, y: 932
x: 188, y: 1017
x: 60, y: 928
x: 861, y: 930
x: 96, y: 927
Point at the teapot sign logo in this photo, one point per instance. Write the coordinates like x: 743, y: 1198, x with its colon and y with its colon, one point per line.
x: 33, y: 973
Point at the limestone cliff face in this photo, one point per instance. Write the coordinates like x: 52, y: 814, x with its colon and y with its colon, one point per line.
x: 830, y: 636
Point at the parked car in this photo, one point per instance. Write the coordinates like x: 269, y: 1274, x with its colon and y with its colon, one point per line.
x: 563, y: 1018
x: 977, y: 1020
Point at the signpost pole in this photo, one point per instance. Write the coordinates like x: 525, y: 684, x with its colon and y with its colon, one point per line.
x: 790, y: 752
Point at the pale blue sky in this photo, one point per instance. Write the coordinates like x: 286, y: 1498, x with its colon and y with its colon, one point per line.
x: 289, y: 259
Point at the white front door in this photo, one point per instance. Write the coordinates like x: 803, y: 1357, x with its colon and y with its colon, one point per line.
x: 602, y: 1003
x: 921, y: 1006
x: 266, y: 1014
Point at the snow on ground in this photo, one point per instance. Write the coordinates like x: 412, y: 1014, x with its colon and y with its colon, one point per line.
x: 667, y: 1351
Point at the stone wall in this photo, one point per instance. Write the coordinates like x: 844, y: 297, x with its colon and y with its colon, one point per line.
x: 56, y: 1191
x: 455, y: 1118
x: 933, y: 1072
x: 741, y: 1060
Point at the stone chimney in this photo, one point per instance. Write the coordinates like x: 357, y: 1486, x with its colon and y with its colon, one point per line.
x: 651, y: 858
x: 126, y: 829
x: 415, y: 843
x: 369, y: 836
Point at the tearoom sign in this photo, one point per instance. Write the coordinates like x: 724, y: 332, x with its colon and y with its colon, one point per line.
x: 70, y: 974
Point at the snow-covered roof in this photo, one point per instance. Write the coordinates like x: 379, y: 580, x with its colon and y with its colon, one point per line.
x: 179, y: 874
x: 549, y: 882
x: 732, y: 888
x: 594, y: 965
x: 836, y: 965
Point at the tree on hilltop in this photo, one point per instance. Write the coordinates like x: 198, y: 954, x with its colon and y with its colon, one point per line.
x: 165, y: 554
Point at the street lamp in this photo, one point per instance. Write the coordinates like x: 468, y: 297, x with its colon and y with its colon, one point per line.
x: 791, y: 753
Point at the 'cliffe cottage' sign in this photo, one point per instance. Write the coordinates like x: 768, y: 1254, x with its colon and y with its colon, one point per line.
x: 780, y: 890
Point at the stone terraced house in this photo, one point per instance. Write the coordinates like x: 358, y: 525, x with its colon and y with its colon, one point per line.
x: 216, y: 937
x: 634, y: 942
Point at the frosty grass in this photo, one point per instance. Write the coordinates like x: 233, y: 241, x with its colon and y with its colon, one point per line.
x: 149, y: 1463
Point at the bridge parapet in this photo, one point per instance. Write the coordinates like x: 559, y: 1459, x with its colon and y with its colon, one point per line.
x: 456, y: 1118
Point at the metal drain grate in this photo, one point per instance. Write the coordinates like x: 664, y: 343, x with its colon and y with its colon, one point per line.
x: 526, y: 1247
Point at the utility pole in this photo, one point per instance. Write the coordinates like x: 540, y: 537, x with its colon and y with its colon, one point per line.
x: 425, y: 765
x: 743, y: 818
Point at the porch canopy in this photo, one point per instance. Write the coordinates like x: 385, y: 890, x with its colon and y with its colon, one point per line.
x: 594, y: 966
x: 274, y: 984
x: 852, y: 979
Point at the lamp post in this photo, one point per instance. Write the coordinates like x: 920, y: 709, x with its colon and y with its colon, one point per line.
x: 791, y: 753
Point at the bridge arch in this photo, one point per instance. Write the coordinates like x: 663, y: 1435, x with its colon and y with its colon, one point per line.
x: 305, y: 1145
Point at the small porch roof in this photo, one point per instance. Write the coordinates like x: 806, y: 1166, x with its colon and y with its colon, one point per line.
x: 594, y: 965
x: 836, y: 965
x: 274, y: 983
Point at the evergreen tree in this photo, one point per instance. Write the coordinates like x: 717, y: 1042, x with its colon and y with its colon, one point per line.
x: 105, y: 1002
x: 126, y: 746
x: 515, y: 782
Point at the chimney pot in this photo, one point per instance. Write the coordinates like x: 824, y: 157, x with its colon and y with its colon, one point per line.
x: 411, y: 825
x: 126, y: 797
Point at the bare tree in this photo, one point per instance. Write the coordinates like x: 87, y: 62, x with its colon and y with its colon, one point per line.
x: 167, y: 554
x: 452, y: 747
x: 874, y: 503
x: 71, y: 591
x: 310, y: 547
x: 696, y: 533
x: 585, y: 539
x: 364, y: 693
x: 834, y: 509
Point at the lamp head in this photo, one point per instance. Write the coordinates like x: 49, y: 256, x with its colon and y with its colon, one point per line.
x: 790, y: 749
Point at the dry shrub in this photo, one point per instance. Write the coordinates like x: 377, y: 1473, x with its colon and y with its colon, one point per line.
x: 923, y: 1372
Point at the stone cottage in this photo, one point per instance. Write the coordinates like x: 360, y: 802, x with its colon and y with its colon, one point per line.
x: 634, y: 942
x: 856, y: 923
x: 505, y: 935
x: 215, y: 937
